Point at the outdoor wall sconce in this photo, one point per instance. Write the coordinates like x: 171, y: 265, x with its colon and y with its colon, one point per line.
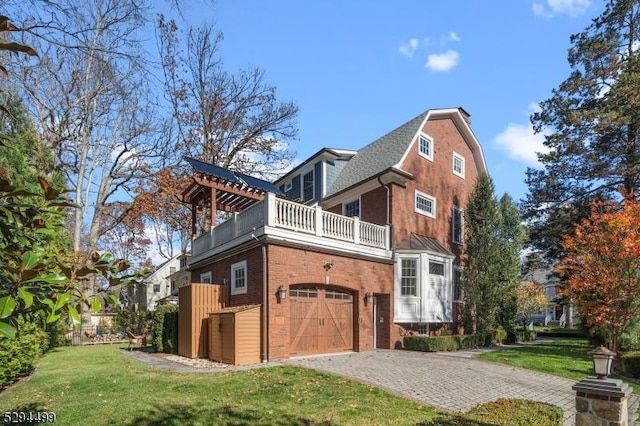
x: 281, y: 294
x: 602, y: 360
x: 368, y: 298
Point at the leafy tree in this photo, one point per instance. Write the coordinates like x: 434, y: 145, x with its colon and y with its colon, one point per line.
x: 591, y: 124
x: 601, y: 268
x: 493, y: 241
x: 530, y: 300
x: 37, y: 282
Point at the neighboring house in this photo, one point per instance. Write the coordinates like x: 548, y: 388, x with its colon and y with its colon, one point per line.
x: 182, y: 276
x: 558, y: 310
x: 364, y: 245
x: 156, y: 287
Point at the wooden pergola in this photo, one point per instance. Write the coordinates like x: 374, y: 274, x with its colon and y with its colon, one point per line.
x: 232, y: 191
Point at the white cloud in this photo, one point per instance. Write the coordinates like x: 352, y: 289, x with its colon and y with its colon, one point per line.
x: 572, y: 8
x: 407, y: 49
x: 443, y: 62
x: 453, y: 36
x: 521, y: 143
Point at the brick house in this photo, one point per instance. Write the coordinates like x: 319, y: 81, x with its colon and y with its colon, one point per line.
x: 363, y: 245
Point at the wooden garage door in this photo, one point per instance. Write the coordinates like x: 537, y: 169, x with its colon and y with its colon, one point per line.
x: 321, y: 321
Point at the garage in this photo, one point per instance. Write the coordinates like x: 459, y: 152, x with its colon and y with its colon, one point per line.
x: 321, y: 320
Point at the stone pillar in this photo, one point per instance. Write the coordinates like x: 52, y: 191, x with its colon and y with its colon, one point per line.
x: 601, y: 402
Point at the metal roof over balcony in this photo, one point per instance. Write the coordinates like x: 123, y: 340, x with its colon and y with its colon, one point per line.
x: 233, y: 191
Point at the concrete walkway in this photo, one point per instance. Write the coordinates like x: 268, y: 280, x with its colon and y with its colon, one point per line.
x: 453, y: 381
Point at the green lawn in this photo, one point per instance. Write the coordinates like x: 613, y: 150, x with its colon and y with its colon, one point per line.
x: 560, y: 356
x: 99, y: 385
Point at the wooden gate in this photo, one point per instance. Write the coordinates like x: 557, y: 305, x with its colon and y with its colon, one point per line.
x: 195, y: 303
x: 321, y: 321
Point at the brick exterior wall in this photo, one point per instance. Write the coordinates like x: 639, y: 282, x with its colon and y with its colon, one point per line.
x: 289, y: 266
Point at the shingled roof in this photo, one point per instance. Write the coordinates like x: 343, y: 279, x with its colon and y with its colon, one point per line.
x: 378, y: 156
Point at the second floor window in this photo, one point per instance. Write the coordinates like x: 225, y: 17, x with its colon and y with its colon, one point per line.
x: 307, y: 186
x: 352, y: 209
x: 425, y: 204
x: 156, y: 288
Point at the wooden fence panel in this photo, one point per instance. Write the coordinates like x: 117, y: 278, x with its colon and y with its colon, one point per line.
x: 196, y: 302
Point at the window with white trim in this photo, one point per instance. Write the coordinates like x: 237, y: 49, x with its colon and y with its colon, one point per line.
x: 457, y: 226
x: 307, y: 186
x: 457, y: 284
x: 288, y: 186
x: 205, y: 278
x: 425, y: 147
x: 239, y: 277
x: 423, y: 329
x: 409, y: 277
x: 458, y: 165
x: 156, y: 288
x: 352, y: 209
x: 425, y: 204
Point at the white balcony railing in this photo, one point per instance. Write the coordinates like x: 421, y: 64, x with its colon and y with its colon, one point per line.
x: 276, y: 213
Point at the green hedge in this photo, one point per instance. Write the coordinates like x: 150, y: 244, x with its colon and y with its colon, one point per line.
x: 631, y: 364
x: 441, y: 343
x: 19, y: 355
x: 526, y: 335
x: 164, y: 332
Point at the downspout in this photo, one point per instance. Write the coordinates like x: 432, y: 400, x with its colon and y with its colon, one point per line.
x: 388, y: 197
x: 265, y: 300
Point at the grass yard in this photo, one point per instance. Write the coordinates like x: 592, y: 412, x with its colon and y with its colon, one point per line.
x: 560, y: 356
x: 98, y: 385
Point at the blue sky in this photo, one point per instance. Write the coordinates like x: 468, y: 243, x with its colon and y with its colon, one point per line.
x: 358, y: 69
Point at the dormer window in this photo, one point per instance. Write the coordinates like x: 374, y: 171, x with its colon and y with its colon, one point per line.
x: 288, y: 186
x: 307, y: 186
x: 426, y: 147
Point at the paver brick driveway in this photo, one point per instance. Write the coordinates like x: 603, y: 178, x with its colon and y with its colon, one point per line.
x: 451, y: 381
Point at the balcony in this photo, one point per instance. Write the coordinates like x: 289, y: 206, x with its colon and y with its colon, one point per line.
x: 286, y: 220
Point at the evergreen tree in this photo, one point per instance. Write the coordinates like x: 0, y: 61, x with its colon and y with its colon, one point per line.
x: 592, y: 124
x: 494, y: 239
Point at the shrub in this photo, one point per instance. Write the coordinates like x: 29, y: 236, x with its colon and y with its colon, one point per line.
x: 57, y: 333
x: 20, y: 355
x: 631, y: 364
x: 498, y: 335
x: 164, y: 331
x: 136, y: 322
x: 526, y: 335
x: 440, y: 343
x: 516, y: 412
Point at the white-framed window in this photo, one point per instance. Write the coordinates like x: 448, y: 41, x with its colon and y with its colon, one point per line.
x: 156, y: 288
x: 425, y: 147
x: 172, y: 269
x: 458, y: 165
x: 239, y: 277
x: 409, y: 277
x: 288, y: 186
x: 352, y: 208
x: 183, y: 262
x: 205, y: 278
x: 423, y: 329
x: 457, y: 284
x: 307, y: 186
x: 425, y: 204
x: 457, y: 226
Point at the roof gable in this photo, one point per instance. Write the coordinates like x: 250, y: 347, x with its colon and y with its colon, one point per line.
x: 378, y: 156
x: 390, y: 151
